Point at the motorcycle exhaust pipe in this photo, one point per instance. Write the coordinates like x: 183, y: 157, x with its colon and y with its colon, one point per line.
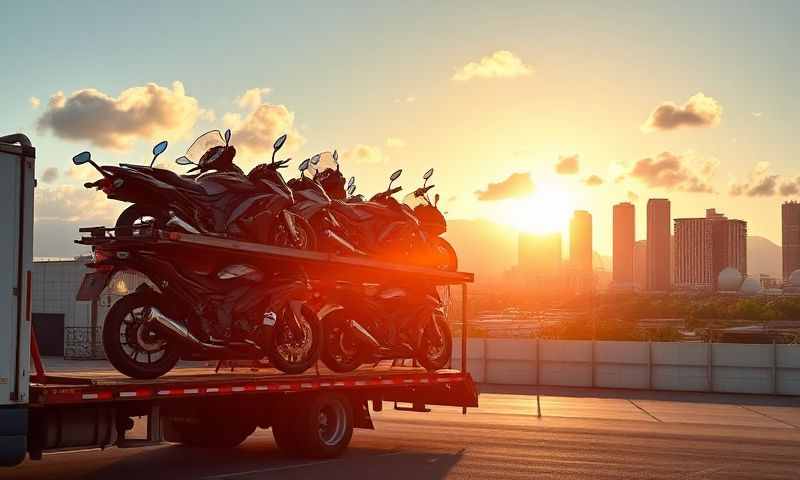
x: 364, y: 335
x: 177, y: 330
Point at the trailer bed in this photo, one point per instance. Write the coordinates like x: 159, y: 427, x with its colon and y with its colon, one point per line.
x: 444, y: 387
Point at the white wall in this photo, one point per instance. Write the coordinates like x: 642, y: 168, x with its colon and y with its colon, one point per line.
x: 718, y: 367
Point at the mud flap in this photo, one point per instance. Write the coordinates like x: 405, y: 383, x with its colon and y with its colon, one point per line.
x: 93, y: 284
x: 13, y: 436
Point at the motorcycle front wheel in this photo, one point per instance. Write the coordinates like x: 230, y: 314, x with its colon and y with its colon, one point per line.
x: 306, y: 237
x: 292, y: 353
x: 136, y: 218
x: 436, y: 344
x: 445, y: 255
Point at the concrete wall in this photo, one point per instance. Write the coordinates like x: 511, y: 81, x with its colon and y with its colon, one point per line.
x: 718, y: 367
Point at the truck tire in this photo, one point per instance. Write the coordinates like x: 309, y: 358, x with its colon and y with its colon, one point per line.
x: 324, y: 425
x: 284, y: 431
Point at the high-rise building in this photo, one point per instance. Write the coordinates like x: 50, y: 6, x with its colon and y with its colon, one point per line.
x: 540, y: 255
x: 624, y: 237
x: 659, y: 269
x: 640, y: 265
x: 580, y: 241
x: 706, y: 246
x: 790, y: 241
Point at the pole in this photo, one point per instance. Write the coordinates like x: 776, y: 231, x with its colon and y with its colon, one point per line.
x: 464, y: 335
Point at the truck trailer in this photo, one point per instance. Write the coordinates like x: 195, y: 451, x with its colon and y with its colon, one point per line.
x: 312, y: 414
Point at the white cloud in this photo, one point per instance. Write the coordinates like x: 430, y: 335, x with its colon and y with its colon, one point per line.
x: 35, y: 102
x: 500, y: 64
x: 698, y: 111
x: 145, y: 112
x: 251, y: 99
x: 255, y: 131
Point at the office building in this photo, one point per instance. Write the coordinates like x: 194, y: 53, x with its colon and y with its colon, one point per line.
x: 624, y: 237
x: 790, y: 238
x: 659, y: 265
x: 640, y: 265
x: 580, y: 241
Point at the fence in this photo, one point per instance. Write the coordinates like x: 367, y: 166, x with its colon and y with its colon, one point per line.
x: 709, y: 367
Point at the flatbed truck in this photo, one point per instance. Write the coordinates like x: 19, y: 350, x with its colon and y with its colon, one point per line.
x: 312, y: 414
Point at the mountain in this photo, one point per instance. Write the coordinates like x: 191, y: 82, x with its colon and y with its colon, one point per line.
x: 763, y: 256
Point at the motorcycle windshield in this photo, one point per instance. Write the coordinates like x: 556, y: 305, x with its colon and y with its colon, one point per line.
x: 204, y: 143
x: 412, y: 200
x: 326, y: 162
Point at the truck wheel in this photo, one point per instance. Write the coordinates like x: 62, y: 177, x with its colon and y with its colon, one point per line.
x: 284, y: 431
x: 132, y: 348
x: 214, y: 434
x: 325, y: 425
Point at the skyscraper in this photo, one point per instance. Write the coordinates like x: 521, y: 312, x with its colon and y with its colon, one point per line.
x: 640, y: 264
x: 659, y: 270
x: 705, y: 246
x: 580, y: 241
x: 624, y: 237
x: 790, y: 241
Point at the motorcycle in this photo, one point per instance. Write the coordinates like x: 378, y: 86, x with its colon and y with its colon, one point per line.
x: 364, y: 323
x: 220, y: 200
x: 198, y: 307
x: 385, y: 228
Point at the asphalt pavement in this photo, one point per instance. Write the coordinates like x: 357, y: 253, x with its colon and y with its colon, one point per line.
x: 582, y: 433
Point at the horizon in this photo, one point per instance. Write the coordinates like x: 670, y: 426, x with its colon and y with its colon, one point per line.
x: 523, y: 120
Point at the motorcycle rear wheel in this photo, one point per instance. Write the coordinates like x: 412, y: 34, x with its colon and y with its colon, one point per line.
x: 138, y: 215
x: 306, y: 237
x: 340, y: 352
x: 126, y: 339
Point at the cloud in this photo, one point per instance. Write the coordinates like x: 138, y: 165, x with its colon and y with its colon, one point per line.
x: 251, y: 99
x: 517, y: 185
x: 761, y: 182
x: 50, y: 175
x: 500, y: 64
x: 145, y: 112
x: 255, y: 131
x: 66, y: 203
x: 35, y: 102
x: 567, y: 165
x: 364, y: 154
x: 675, y: 172
x: 632, y: 197
x: 698, y: 111
x: 593, y: 181
x: 393, y: 142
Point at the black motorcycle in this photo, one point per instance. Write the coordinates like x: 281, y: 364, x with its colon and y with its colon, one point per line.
x: 195, y: 306
x: 220, y: 201
x: 364, y: 323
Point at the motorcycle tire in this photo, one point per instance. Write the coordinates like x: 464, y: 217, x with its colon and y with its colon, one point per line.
x: 279, y: 236
x: 333, y: 354
x: 289, y: 365
x: 445, y: 254
x: 126, y: 310
x: 127, y: 219
x: 435, y: 354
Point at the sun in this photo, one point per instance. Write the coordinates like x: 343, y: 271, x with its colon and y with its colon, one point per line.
x: 546, y: 211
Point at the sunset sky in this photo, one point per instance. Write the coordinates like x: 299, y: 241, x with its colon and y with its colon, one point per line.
x: 580, y: 104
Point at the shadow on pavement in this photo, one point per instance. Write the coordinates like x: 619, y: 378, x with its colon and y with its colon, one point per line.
x: 260, y: 458
x: 691, y: 397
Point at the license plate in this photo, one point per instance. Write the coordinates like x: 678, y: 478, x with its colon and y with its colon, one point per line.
x: 93, y: 284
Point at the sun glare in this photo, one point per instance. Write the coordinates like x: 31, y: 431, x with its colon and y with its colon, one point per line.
x: 546, y: 211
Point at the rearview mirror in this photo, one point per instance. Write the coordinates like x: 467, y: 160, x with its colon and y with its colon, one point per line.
x: 428, y: 174
x: 351, y: 182
x: 396, y: 175
x: 227, y: 137
x: 279, y: 142
x: 304, y: 165
x: 183, y: 161
x: 350, y: 190
x: 82, y: 158
x: 315, y: 159
x: 336, y: 156
x: 159, y: 148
